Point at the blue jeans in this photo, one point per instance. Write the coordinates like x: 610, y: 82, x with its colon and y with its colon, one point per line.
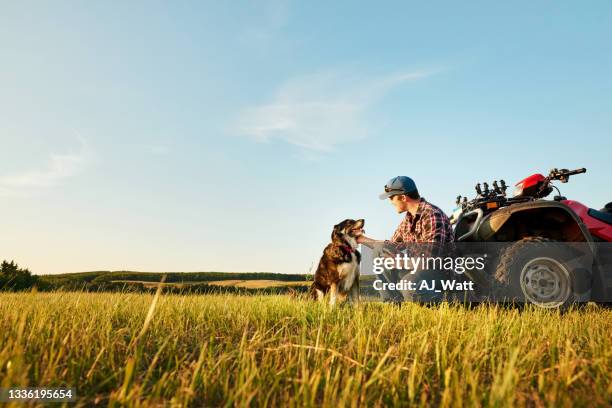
x: 420, y: 293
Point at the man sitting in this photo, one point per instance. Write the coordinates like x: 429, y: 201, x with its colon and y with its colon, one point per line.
x: 426, y: 229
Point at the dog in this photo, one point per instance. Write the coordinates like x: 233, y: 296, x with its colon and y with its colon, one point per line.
x: 338, y: 270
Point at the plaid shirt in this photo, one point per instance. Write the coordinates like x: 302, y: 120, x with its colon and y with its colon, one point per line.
x: 429, y: 224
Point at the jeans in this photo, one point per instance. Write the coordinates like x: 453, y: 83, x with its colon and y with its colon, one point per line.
x: 421, y: 293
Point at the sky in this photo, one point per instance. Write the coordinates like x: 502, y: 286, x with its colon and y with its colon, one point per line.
x: 232, y: 136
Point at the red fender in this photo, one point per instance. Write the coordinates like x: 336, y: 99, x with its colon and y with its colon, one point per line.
x: 596, y: 227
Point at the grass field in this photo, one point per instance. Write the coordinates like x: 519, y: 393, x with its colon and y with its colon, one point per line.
x: 216, y: 350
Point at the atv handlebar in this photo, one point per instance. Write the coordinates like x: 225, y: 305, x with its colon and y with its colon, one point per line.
x: 489, y: 199
x: 564, y: 174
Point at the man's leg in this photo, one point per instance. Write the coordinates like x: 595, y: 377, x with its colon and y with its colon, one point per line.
x: 427, y: 286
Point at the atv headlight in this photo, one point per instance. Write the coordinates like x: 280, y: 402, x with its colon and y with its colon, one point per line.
x: 518, y: 190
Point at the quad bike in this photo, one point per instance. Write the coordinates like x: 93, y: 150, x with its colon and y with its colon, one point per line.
x: 551, y: 253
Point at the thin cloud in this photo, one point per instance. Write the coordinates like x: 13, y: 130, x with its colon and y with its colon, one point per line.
x: 321, y: 111
x: 59, y: 167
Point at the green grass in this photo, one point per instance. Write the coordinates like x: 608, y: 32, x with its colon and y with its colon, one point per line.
x: 215, y: 350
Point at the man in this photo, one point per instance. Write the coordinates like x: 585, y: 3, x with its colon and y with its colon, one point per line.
x: 425, y: 230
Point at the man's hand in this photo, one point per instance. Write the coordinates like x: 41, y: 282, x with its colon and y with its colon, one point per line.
x: 376, y: 244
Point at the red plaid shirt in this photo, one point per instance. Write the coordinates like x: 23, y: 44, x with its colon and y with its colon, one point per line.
x: 429, y: 224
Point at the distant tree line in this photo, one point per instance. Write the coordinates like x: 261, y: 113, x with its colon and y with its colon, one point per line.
x: 14, y: 278
x: 193, y: 289
x: 176, y: 277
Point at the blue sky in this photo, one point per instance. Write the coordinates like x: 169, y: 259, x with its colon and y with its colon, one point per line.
x: 194, y: 136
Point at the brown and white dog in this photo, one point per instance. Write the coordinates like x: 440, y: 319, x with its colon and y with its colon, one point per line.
x: 338, y: 270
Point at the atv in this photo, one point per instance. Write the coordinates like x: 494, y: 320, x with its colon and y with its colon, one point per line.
x: 551, y: 253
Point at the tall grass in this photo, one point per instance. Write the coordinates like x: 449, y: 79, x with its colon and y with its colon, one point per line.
x: 221, y: 350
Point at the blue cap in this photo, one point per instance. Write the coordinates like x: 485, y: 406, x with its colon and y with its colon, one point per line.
x: 398, y: 185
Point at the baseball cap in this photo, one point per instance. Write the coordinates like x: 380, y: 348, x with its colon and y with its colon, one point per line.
x: 398, y: 185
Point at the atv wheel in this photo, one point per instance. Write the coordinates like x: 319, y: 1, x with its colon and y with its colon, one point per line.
x: 539, y: 271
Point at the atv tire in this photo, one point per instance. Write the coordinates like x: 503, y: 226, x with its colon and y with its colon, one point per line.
x: 542, y: 272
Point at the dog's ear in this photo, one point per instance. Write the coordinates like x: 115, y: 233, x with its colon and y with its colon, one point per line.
x: 336, y: 231
x: 335, y: 235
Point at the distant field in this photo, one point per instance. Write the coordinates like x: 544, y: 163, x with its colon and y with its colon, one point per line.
x: 254, y: 283
x: 259, y: 283
x: 239, y: 283
x: 106, y: 276
x: 216, y: 350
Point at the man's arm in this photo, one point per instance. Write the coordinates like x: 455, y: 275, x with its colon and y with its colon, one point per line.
x: 375, y: 244
x: 434, y: 235
x: 434, y: 228
x: 367, y: 241
x: 395, y: 242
